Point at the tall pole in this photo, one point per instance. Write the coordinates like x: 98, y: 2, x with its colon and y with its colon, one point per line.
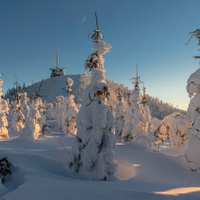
x: 97, y: 27
x: 57, y: 59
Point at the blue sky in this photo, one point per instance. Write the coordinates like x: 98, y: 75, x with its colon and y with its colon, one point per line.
x: 150, y: 33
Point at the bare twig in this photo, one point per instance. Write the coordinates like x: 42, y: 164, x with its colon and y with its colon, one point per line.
x: 64, y: 147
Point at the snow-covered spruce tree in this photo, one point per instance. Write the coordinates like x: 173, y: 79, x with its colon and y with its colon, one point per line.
x: 192, y: 153
x: 69, y: 111
x: 49, y: 107
x: 111, y: 102
x: 93, y: 150
x: 54, y: 109
x: 147, y: 113
x: 135, y: 119
x: 3, y: 110
x: 32, y: 127
x: 42, y: 120
x: 119, y: 116
x: 84, y: 82
x: 24, y: 104
x: 18, y: 118
x: 58, y: 111
x: 11, y: 106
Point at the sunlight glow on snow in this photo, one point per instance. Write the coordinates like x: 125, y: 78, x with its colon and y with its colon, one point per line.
x: 178, y: 191
x: 125, y: 170
x: 136, y: 165
x: 120, y: 144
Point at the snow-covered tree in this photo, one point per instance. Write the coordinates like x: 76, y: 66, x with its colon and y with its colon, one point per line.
x: 84, y: 82
x: 135, y: 118
x: 93, y: 150
x: 32, y: 127
x: 111, y: 102
x: 119, y: 116
x: 42, y: 120
x: 58, y: 111
x: 49, y: 107
x: 192, y: 153
x: 146, y: 111
x: 3, y: 110
x: 24, y: 104
x: 69, y: 111
x: 54, y: 109
x: 18, y: 118
x: 134, y: 125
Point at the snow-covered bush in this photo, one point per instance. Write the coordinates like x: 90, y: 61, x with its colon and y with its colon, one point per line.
x: 192, y: 153
x: 5, y: 169
x: 176, y: 127
x: 69, y: 111
x: 3, y: 110
x: 93, y: 150
x: 173, y: 128
x: 155, y: 135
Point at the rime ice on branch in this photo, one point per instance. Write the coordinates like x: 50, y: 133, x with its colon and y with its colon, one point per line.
x: 93, y: 150
x: 3, y: 110
x: 195, y: 33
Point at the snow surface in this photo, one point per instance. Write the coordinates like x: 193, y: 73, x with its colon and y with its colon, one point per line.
x: 40, y: 172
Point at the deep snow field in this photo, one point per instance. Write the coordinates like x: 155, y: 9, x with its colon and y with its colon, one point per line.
x: 40, y: 172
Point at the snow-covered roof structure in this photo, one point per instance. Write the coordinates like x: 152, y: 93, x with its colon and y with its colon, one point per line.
x: 57, y: 71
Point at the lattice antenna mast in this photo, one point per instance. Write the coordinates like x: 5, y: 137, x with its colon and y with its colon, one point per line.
x: 195, y: 33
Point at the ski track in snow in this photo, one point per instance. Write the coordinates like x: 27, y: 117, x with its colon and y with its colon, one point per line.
x: 40, y: 172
